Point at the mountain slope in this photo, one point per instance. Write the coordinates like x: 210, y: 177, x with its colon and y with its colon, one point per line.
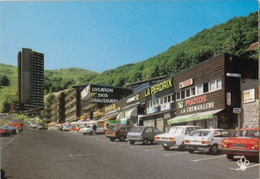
x: 232, y: 37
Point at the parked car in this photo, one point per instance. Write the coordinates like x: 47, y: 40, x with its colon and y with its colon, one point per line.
x: 205, y: 140
x: 5, y: 132
x: 245, y: 142
x: 33, y: 125
x: 66, y: 127
x: 119, y: 132
x: 143, y: 134
x: 175, y: 136
x: 19, y: 125
x: 89, y: 130
x: 42, y: 127
x: 12, y: 130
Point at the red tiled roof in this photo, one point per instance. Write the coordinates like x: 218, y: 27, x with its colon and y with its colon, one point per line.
x: 252, y: 47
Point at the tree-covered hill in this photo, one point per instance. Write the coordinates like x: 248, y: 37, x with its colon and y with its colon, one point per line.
x: 232, y: 37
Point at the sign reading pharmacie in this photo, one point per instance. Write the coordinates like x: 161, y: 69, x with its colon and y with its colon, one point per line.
x: 166, y: 84
x: 194, y: 104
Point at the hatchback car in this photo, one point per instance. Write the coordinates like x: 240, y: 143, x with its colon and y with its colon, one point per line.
x: 205, y: 140
x: 245, y: 142
x: 119, y: 132
x: 143, y: 134
x: 89, y: 130
x: 175, y: 136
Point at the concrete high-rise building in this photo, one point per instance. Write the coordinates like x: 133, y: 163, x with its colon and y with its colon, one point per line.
x: 30, y: 79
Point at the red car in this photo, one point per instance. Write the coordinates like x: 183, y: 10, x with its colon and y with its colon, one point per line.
x: 245, y: 142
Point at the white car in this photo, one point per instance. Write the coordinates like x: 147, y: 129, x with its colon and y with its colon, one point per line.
x: 89, y: 130
x: 205, y: 140
x: 174, y: 137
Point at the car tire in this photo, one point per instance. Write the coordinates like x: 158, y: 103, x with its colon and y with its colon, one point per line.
x: 230, y: 156
x: 112, y: 139
x: 181, y: 147
x: 151, y: 142
x: 122, y: 138
x: 214, y: 149
x: 191, y: 151
x: 166, y: 147
x: 145, y: 142
x: 132, y: 142
x: 90, y: 133
x: 84, y: 133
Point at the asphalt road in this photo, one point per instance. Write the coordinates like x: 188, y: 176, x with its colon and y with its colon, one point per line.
x: 53, y: 154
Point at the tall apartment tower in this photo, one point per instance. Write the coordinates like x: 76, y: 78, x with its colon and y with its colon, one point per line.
x: 30, y: 79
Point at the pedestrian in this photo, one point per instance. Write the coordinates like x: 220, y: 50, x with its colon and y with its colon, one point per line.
x: 94, y: 129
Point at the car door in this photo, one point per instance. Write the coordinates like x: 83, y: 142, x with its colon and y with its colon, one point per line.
x: 218, y: 137
x: 148, y: 133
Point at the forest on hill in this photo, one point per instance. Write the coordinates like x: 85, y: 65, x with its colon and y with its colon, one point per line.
x: 231, y: 37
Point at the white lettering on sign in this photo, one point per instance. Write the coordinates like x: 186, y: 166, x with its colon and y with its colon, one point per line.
x: 99, y: 89
x: 103, y: 95
x: 99, y: 100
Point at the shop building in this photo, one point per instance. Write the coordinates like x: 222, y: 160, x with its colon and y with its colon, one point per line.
x: 159, y: 104
x: 207, y: 94
x: 94, y: 98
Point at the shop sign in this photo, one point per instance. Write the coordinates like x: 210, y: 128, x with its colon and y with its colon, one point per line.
x: 228, y: 97
x: 133, y: 98
x: 165, y: 106
x: 194, y: 104
x: 237, y: 110
x: 237, y: 75
x: 166, y: 84
x: 110, y: 107
x: 248, y: 96
x: 101, y: 89
x: 103, y: 100
x: 111, y: 111
x: 97, y: 113
x: 167, y: 115
x: 186, y: 83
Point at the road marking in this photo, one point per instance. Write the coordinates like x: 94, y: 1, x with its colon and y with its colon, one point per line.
x: 81, y: 155
x: 176, y: 153
x: 9, y: 142
x: 208, y: 158
x: 149, y: 150
x: 237, y: 169
x: 140, y: 146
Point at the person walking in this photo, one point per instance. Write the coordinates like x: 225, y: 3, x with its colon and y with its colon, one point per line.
x: 94, y: 129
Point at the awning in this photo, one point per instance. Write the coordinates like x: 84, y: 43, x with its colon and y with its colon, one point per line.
x: 107, y: 117
x: 194, y: 117
x: 120, y: 115
x: 131, y: 112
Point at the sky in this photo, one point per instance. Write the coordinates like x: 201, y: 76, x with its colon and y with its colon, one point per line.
x: 102, y: 35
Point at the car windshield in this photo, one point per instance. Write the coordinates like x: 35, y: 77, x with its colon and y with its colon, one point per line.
x: 247, y: 133
x: 176, y: 130
x: 200, y: 133
x: 137, y: 129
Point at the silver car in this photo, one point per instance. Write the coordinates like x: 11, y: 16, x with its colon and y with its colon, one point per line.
x: 143, y: 134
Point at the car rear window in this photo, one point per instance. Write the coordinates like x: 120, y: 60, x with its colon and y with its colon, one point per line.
x: 176, y: 130
x: 200, y: 133
x: 137, y: 129
x: 247, y: 133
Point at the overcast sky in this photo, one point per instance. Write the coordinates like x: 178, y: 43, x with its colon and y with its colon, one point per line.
x: 103, y: 35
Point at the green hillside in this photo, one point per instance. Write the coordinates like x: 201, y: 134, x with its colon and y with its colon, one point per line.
x: 232, y: 37
x: 54, y: 80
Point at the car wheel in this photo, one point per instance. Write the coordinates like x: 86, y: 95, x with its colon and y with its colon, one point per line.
x: 181, y: 147
x: 191, y: 151
x: 230, y: 156
x: 122, y: 138
x: 145, y: 142
x: 132, y: 142
x: 151, y: 141
x: 84, y: 133
x: 214, y: 149
x: 91, y: 133
x: 112, y: 139
x: 166, y: 147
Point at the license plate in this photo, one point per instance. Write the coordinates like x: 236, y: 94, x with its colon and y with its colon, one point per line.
x: 239, y: 145
x: 196, y: 142
x: 164, y: 138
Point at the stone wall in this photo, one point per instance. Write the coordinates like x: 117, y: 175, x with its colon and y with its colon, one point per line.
x: 250, y: 114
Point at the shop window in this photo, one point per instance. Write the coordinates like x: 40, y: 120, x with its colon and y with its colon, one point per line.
x: 165, y: 99
x: 199, y: 89
x: 178, y: 96
x: 172, y: 97
x: 161, y: 99
x: 187, y: 92
x: 219, y: 84
x: 205, y: 87
x: 169, y: 99
x: 182, y: 94
x: 192, y: 91
x: 212, y: 85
